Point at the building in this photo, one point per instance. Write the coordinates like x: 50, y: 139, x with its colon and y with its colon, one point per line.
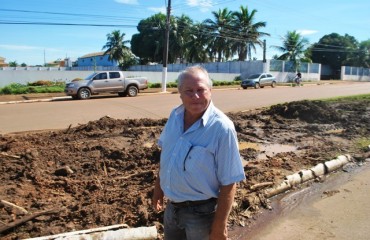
x: 59, y: 63
x: 95, y: 60
x: 3, y: 63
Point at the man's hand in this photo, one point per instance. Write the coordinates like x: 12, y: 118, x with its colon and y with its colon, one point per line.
x: 224, y: 204
x: 158, y: 196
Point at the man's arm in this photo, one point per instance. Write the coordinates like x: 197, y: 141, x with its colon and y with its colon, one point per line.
x: 158, y: 195
x: 224, y: 204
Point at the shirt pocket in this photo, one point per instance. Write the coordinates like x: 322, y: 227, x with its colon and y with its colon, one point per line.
x: 199, y: 160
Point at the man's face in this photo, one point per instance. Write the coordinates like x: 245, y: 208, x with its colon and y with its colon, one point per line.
x: 195, y: 93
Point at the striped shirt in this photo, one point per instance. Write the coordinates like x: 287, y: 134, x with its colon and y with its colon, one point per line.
x: 194, y: 164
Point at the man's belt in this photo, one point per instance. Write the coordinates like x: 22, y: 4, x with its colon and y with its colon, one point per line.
x: 192, y: 203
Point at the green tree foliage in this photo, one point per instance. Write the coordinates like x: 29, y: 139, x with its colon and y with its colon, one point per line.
x: 219, y: 38
x: 220, y: 30
x: 148, y: 43
x: 335, y: 50
x: 116, y: 48
x: 197, y: 48
x: 248, y: 34
x: 293, y: 48
x: 13, y: 64
x: 361, y: 57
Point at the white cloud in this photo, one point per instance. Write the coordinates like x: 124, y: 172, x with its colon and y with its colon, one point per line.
x: 306, y: 32
x: 158, y: 9
x: 131, y: 2
x: 204, y: 5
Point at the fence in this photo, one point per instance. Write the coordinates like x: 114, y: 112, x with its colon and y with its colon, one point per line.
x: 355, y: 73
x: 219, y: 71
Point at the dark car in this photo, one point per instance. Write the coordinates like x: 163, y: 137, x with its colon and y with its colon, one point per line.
x: 259, y: 80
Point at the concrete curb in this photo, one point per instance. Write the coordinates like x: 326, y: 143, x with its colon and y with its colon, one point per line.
x: 36, y: 100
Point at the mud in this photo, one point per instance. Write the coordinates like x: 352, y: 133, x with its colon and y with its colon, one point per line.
x: 102, y: 173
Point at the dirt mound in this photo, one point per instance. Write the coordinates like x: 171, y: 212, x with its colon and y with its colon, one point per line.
x: 102, y: 173
x: 308, y: 111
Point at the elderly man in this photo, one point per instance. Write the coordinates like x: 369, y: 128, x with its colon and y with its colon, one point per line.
x: 200, y: 164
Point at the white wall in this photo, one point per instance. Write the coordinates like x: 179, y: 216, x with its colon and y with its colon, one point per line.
x: 23, y: 77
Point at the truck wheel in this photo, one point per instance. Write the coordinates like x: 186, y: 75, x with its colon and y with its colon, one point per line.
x: 84, y: 93
x: 132, y: 91
x: 257, y: 85
x: 244, y: 87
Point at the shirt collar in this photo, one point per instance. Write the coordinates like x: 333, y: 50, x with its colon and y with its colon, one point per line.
x: 179, y: 112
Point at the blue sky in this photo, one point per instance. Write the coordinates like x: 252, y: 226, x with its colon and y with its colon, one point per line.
x: 34, y: 44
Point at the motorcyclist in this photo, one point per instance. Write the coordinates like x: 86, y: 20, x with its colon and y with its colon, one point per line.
x: 298, y: 78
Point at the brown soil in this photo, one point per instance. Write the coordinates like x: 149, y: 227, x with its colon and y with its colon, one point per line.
x: 102, y: 173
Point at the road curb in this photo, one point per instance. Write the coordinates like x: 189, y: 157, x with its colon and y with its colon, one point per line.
x: 36, y: 100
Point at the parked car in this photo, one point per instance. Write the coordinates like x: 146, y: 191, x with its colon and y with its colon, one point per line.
x: 106, y: 82
x: 259, y: 80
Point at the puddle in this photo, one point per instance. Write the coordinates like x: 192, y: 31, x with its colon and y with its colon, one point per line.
x: 267, y: 149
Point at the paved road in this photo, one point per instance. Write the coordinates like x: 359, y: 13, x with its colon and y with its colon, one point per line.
x: 60, y: 114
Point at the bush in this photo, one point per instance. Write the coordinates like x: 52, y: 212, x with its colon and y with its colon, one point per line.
x: 171, y: 85
x: 154, y: 85
x: 16, y: 88
x: 41, y: 83
x: 77, y: 79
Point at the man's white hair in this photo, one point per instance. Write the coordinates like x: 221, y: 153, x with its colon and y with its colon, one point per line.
x: 189, y: 71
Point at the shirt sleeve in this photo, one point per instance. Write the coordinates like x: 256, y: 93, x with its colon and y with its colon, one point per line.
x: 229, y: 165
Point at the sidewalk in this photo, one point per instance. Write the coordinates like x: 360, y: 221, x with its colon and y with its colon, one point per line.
x: 340, y: 209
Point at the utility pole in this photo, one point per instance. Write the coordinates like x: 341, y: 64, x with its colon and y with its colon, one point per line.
x: 165, y: 51
x: 264, y: 50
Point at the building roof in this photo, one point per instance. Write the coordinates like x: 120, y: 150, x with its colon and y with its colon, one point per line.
x: 96, y: 54
x: 1, y: 58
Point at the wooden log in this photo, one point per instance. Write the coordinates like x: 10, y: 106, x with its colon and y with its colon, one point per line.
x: 9, y: 155
x: 282, y: 187
x: 261, y: 185
x: 114, y: 232
x: 25, y: 219
x: 9, y: 204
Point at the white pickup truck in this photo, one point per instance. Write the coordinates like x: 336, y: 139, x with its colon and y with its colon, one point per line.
x: 106, y: 82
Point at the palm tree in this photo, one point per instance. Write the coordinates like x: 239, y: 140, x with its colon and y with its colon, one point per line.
x: 293, y: 48
x: 196, y: 49
x: 179, y: 37
x: 248, y: 32
x: 220, y: 30
x: 115, y: 46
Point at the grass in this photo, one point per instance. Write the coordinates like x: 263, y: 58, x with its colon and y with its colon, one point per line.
x: 360, y: 97
x: 363, y: 143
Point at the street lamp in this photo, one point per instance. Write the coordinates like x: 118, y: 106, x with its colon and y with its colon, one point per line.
x: 165, y: 51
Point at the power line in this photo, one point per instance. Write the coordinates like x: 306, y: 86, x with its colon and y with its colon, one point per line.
x: 67, y: 24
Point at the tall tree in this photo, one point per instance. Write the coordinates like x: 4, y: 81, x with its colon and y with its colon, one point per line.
x: 334, y: 50
x: 293, y: 48
x: 364, y: 54
x: 248, y: 32
x: 115, y: 46
x: 149, y: 42
x: 221, y: 30
x: 13, y: 64
x: 197, y: 45
x: 179, y: 37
